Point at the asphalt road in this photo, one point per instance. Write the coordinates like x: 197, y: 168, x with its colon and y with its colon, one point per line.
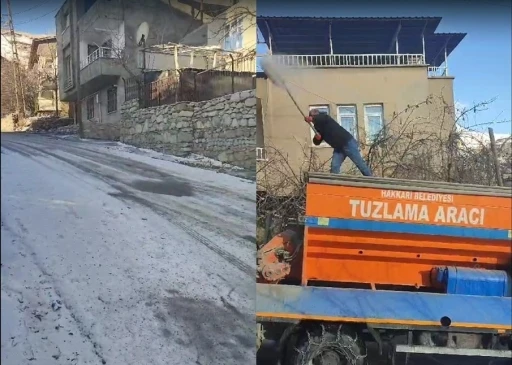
x: 110, y: 257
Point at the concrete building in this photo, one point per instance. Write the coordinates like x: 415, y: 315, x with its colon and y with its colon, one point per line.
x: 98, y: 43
x: 225, y: 41
x: 43, y: 65
x: 364, y: 72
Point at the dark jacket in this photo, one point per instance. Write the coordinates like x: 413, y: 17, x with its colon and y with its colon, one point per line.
x: 332, y: 133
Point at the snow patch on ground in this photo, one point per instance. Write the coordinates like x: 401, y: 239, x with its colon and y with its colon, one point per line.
x: 136, y: 286
x: 193, y: 160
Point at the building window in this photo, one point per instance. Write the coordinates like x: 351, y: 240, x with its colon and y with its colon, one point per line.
x: 261, y: 154
x: 374, y: 121
x: 65, y: 21
x: 347, y: 117
x: 90, y: 107
x: 322, y: 109
x: 233, y: 35
x: 112, y: 100
x: 68, y: 72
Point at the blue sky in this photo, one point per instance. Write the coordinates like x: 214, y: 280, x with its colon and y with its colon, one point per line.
x: 481, y: 63
x: 32, y: 16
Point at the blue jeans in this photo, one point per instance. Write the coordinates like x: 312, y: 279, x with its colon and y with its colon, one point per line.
x: 350, y: 150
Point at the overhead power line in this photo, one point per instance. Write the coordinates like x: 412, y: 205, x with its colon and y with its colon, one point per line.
x: 27, y: 10
x: 39, y: 17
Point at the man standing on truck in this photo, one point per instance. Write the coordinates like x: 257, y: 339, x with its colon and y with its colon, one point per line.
x: 343, y: 143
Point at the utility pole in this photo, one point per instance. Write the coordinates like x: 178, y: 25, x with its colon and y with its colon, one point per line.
x: 497, y: 170
x: 14, y: 50
x: 75, y: 57
x: 18, y: 83
x: 56, y: 80
x: 55, y: 77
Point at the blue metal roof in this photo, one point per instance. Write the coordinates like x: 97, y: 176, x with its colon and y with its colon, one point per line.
x: 310, y: 35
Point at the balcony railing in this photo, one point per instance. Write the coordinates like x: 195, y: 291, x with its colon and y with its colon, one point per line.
x: 261, y: 154
x: 350, y: 60
x: 437, y: 71
x: 101, y: 52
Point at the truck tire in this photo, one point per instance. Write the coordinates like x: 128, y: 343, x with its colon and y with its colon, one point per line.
x: 328, y: 345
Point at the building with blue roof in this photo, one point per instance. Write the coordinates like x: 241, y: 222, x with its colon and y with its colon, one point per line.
x: 364, y: 72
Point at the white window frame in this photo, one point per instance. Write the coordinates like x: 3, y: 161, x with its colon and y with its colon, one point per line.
x: 312, y: 134
x: 366, y: 121
x: 355, y: 131
x: 261, y: 154
x: 114, y: 101
x: 232, y: 32
x: 88, y: 100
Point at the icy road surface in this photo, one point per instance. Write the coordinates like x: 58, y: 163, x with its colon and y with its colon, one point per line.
x: 111, y: 257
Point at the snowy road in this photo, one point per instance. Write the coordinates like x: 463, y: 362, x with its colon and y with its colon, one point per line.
x: 152, y: 261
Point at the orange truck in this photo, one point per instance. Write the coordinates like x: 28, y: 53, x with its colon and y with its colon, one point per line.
x: 411, y: 267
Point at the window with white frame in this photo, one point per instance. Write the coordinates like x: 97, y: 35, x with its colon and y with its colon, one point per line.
x: 322, y: 109
x: 233, y: 35
x: 261, y: 154
x: 90, y: 107
x: 347, y: 117
x: 112, y: 100
x: 374, y: 121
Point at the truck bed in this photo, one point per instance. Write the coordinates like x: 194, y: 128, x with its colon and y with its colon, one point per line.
x: 390, y: 232
x: 382, y: 308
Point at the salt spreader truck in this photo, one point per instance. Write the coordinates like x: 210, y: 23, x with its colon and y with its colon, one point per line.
x: 411, y: 266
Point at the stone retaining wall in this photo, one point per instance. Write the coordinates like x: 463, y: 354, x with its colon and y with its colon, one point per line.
x: 223, y: 128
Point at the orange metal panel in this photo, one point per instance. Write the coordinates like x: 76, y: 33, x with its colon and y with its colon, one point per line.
x: 385, y: 205
x: 337, y: 255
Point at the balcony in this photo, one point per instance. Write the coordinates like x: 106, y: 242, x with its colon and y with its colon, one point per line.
x: 100, y: 53
x: 351, y: 60
x: 359, y: 60
x: 438, y: 72
x: 99, y: 70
